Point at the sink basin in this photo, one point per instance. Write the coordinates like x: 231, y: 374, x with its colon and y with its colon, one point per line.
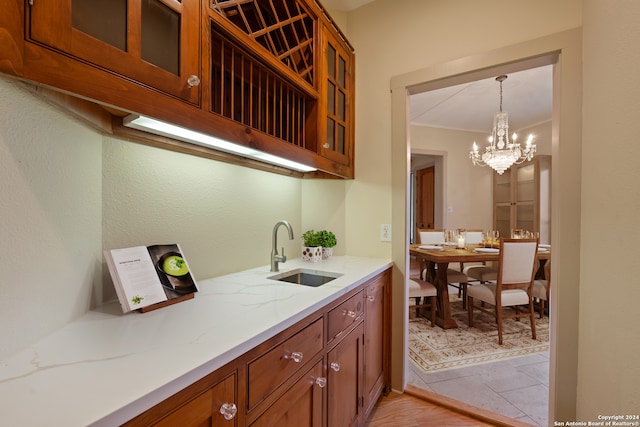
x: 305, y: 277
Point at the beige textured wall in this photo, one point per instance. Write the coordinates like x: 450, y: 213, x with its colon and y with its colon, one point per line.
x: 608, y: 369
x: 396, y: 37
x: 402, y: 39
x: 222, y: 215
x: 50, y: 235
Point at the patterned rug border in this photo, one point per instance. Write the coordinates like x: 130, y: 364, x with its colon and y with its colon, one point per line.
x: 435, y: 349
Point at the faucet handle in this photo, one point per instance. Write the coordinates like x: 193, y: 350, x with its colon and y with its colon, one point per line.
x: 284, y: 258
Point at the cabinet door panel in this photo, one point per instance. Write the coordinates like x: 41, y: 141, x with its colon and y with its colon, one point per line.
x: 224, y: 393
x: 344, y: 380
x: 338, y: 114
x: 300, y: 406
x: 376, y: 336
x: 154, y: 42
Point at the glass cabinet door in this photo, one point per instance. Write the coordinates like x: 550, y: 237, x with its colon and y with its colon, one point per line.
x: 502, y: 203
x: 154, y: 42
x: 337, y: 141
x: 518, y: 197
x: 525, y: 198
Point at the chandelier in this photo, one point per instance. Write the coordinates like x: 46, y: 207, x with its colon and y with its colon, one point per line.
x: 502, y: 151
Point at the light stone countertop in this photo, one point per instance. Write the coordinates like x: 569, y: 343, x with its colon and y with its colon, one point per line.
x: 106, y: 367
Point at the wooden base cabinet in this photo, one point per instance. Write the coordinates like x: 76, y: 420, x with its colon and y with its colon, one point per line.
x: 377, y: 339
x: 300, y: 406
x: 210, y: 402
x: 329, y: 369
x: 344, y: 380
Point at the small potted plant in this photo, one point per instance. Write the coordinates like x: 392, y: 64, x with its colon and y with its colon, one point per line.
x: 328, y: 240
x: 311, y: 249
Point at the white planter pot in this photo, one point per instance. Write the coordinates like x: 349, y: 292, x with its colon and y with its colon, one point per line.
x: 327, y: 253
x: 312, y: 253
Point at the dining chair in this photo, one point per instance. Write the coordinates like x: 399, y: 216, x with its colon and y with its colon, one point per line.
x: 430, y: 236
x: 541, y: 289
x: 426, y: 295
x: 513, y: 288
x: 455, y: 278
x: 478, y: 272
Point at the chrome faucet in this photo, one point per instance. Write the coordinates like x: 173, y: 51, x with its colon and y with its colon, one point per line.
x: 275, y: 257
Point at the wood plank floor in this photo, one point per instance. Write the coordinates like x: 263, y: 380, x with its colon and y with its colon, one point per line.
x: 420, y: 408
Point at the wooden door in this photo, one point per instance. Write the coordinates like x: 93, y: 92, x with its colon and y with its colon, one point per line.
x: 154, y: 42
x: 336, y: 129
x: 300, y: 406
x: 344, y: 380
x: 425, y: 195
x: 376, y: 335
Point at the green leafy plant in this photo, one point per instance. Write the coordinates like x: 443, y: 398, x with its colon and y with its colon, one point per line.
x: 311, y: 238
x: 326, y: 239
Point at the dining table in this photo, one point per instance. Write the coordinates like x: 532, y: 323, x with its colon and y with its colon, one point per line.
x: 436, y: 260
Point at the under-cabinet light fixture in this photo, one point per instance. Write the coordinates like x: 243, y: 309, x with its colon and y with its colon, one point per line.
x: 158, y: 127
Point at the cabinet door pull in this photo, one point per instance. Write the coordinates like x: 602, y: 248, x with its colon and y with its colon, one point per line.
x: 349, y: 313
x: 371, y: 298
x: 228, y: 410
x: 321, y: 381
x: 335, y: 366
x: 193, y: 80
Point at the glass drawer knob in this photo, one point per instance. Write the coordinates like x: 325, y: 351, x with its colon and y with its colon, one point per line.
x: 228, y: 410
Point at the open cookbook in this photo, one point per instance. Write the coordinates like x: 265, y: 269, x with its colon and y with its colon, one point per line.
x: 148, y: 277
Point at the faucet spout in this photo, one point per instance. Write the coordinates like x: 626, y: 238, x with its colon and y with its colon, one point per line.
x: 275, y: 257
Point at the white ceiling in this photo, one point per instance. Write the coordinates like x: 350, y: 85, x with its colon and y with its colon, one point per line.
x: 527, y: 97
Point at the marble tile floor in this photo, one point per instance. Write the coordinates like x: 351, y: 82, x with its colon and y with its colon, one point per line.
x: 517, y: 388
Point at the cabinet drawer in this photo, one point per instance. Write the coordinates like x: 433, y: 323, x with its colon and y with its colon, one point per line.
x: 268, y: 371
x: 343, y: 316
x: 194, y: 413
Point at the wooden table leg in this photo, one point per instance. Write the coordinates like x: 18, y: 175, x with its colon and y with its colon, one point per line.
x: 443, y: 312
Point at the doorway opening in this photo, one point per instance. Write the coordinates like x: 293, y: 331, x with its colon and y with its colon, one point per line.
x: 499, y: 386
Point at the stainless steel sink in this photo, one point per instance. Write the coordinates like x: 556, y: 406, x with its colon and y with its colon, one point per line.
x: 305, y: 277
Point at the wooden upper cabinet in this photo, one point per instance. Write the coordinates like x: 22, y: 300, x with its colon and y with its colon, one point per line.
x: 273, y: 75
x: 154, y: 42
x: 309, y: 98
x: 337, y: 112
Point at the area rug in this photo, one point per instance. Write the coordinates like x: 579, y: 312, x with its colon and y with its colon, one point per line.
x: 434, y: 349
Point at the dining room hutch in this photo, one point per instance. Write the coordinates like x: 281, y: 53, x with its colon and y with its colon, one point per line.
x: 522, y: 198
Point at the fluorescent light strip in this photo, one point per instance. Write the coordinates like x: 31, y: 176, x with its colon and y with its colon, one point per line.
x: 158, y: 127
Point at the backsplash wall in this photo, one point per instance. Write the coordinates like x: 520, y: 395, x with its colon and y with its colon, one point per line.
x: 69, y: 192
